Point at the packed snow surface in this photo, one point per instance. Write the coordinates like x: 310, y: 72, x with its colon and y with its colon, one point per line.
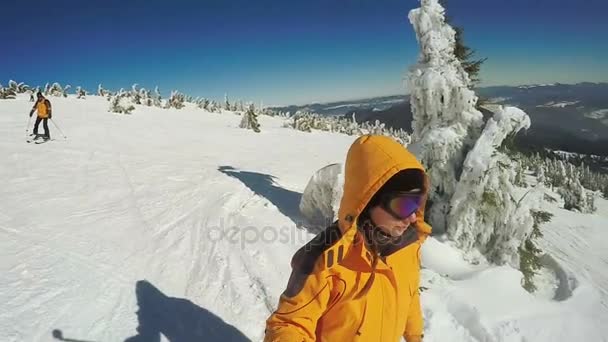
x: 176, y: 225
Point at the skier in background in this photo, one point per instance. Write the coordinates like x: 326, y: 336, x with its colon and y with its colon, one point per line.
x: 359, y: 279
x: 43, y: 107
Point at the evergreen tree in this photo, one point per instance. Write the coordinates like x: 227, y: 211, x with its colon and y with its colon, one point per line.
x: 226, y: 102
x: 250, y: 119
x: 80, y: 93
x: 464, y: 53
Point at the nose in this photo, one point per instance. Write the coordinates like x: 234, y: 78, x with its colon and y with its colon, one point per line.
x: 410, y: 219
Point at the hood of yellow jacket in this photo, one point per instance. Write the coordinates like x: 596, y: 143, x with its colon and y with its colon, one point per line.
x: 371, y: 161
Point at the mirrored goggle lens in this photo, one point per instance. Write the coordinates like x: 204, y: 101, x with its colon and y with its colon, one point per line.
x: 404, y: 206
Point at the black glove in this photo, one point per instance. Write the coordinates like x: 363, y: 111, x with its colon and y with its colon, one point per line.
x: 50, y: 116
x: 31, y: 114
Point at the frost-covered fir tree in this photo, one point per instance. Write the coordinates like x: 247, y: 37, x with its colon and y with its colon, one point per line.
x: 55, y: 90
x: 203, y: 104
x: 80, y: 93
x: 100, y: 91
x: 446, y: 123
x: 472, y: 195
x: 47, y: 88
x: 66, y: 89
x: 250, y: 119
x: 18, y: 88
x: 575, y: 196
x: 157, y: 99
x: 7, y: 93
x: 135, y: 94
x: 12, y: 85
x: 226, y: 102
x: 176, y: 100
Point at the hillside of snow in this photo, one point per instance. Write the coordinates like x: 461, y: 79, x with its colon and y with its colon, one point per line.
x: 177, y: 225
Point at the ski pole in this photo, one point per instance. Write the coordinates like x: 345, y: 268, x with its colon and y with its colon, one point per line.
x: 27, y: 128
x: 59, y: 129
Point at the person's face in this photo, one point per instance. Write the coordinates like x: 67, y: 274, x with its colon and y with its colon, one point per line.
x: 390, y: 224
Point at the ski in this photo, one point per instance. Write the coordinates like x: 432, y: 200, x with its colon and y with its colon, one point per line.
x: 38, y: 139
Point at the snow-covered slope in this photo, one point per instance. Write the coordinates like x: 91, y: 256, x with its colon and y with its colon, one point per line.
x: 176, y: 225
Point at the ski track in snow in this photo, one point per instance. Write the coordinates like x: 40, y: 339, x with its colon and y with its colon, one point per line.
x: 130, y: 198
x: 172, y: 197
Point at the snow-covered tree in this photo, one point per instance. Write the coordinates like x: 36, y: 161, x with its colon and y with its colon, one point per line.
x: 250, y: 119
x: 520, y: 176
x: 446, y: 123
x: 486, y: 214
x: 226, y: 102
x: 529, y: 253
x: 176, y: 100
x: 575, y: 196
x: 65, y: 90
x: 101, y: 91
x: 135, y: 94
x: 7, y: 93
x: 18, y: 88
x: 120, y: 103
x: 81, y: 93
x: 157, y: 98
x: 55, y: 90
x: 47, y: 88
x: 203, y: 104
x: 472, y: 196
x: 213, y: 107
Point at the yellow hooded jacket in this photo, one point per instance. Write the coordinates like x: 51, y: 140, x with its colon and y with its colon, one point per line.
x: 321, y: 302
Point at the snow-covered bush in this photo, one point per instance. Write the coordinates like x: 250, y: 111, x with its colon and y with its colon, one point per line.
x: 81, y: 93
x: 176, y: 100
x: 18, y: 88
x: 250, y: 120
x: 120, y: 103
x: 7, y: 93
x: 56, y: 90
x: 321, y: 198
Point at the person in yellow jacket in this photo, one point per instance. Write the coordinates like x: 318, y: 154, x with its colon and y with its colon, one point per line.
x: 359, y: 279
x: 43, y: 107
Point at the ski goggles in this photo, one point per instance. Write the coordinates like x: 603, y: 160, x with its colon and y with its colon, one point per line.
x: 402, y: 205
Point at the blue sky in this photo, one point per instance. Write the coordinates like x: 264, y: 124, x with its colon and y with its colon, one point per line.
x: 289, y: 52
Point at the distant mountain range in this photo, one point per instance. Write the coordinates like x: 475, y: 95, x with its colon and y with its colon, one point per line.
x: 568, y: 117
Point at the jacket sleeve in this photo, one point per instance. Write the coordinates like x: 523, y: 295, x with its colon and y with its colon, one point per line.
x: 300, y: 307
x: 415, y: 323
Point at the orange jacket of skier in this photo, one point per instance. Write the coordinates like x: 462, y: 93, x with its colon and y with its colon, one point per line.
x: 321, y: 302
x: 43, y: 107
